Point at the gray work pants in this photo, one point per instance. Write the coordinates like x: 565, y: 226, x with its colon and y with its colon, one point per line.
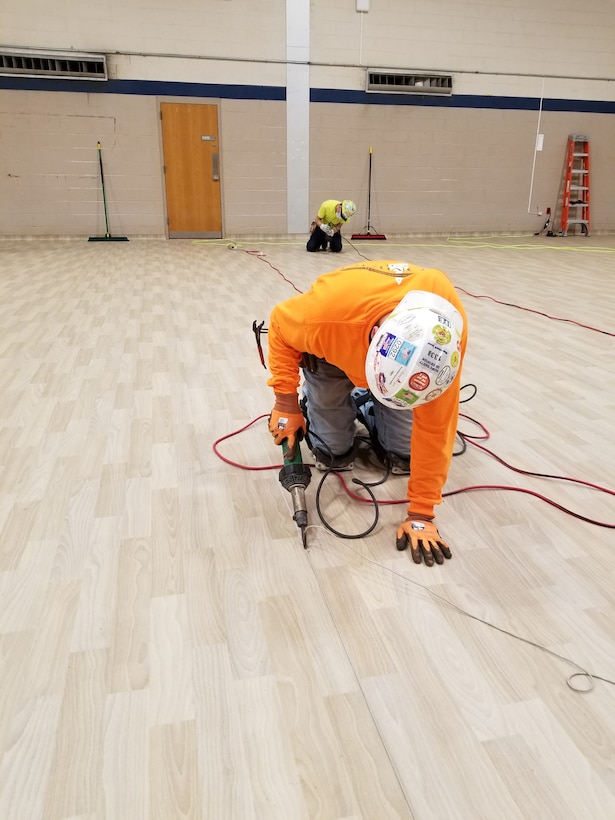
x: 331, y: 412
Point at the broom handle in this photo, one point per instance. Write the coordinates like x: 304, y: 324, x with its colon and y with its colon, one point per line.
x: 369, y: 190
x: 102, y: 179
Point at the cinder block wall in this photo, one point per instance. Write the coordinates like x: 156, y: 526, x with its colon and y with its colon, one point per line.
x: 50, y: 182
x: 467, y: 163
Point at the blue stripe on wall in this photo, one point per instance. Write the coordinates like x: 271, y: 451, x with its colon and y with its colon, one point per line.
x: 146, y: 88
x: 332, y: 95
x: 320, y: 95
x: 456, y: 101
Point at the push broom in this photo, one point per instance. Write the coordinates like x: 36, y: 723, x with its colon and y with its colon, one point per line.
x: 368, y: 231
x: 107, y: 237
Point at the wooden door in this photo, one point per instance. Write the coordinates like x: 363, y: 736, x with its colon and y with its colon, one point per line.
x: 192, y: 170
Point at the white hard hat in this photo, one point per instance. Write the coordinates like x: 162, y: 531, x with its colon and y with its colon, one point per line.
x: 415, y: 354
x: 348, y: 208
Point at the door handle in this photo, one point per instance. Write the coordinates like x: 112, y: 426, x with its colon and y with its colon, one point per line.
x: 215, y: 168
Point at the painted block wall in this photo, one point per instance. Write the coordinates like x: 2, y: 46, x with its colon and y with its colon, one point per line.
x: 522, y: 38
x: 518, y: 38
x: 463, y: 170
x: 253, y: 139
x: 49, y: 169
x: 467, y: 164
x: 224, y: 28
x: 50, y: 181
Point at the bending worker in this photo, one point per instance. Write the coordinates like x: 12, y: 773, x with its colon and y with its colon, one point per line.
x: 399, y: 330
x: 326, y: 229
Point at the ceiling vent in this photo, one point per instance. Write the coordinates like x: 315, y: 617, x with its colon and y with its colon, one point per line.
x: 70, y: 65
x: 403, y: 82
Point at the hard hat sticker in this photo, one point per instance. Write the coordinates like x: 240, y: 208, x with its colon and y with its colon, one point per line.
x: 403, y: 399
x: 435, y: 353
x: 445, y: 376
x: 419, y: 381
x: 392, y: 347
x: 402, y: 351
x: 441, y: 334
x: 383, y: 345
x: 444, y: 321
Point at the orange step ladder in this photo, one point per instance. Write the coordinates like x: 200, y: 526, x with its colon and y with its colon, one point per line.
x: 575, y: 202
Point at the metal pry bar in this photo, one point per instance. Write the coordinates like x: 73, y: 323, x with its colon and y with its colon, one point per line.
x: 258, y: 329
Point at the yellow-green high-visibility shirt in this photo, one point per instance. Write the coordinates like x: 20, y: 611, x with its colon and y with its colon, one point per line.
x: 326, y: 212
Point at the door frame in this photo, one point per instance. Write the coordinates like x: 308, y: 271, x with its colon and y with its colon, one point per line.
x: 189, y: 101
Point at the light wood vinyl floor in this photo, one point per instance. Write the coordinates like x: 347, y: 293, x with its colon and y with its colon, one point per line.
x: 169, y: 650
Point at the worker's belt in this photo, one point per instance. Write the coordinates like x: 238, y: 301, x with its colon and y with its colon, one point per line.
x: 309, y: 362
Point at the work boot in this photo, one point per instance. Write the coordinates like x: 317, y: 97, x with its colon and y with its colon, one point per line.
x: 398, y: 464
x: 327, y: 461
x: 364, y: 402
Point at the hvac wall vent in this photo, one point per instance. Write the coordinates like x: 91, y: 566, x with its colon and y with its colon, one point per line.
x: 69, y: 65
x: 402, y: 82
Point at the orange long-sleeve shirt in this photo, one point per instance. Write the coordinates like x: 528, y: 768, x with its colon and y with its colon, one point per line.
x: 334, y: 319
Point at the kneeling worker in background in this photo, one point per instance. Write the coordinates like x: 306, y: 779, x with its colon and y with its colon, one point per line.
x: 398, y: 331
x: 326, y: 229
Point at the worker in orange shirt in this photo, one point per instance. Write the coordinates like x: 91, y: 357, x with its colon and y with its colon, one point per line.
x: 398, y: 331
x: 326, y: 229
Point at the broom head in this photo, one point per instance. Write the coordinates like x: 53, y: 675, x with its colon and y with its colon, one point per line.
x: 368, y: 233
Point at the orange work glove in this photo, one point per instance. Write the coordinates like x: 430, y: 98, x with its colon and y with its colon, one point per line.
x: 424, y: 541
x: 286, y: 421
